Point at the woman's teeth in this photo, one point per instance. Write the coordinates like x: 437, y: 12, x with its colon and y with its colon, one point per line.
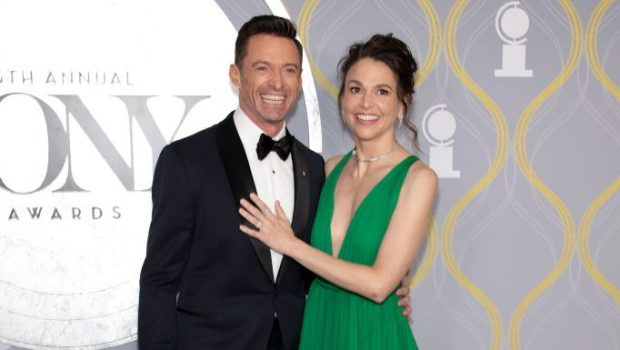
x: 366, y: 117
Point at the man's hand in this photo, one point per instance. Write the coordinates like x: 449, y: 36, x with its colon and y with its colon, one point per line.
x: 404, y: 301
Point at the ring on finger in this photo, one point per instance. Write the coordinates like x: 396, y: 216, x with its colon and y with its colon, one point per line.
x: 258, y: 225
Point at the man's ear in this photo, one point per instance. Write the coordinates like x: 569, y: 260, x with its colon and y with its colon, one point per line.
x: 234, y: 74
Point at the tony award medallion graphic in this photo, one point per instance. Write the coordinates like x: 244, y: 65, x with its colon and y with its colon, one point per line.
x: 439, y: 126
x: 511, y: 24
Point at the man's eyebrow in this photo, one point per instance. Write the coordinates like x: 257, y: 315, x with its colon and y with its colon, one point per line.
x: 256, y: 63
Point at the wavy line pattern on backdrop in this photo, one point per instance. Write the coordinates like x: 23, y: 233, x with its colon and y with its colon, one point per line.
x: 525, y: 165
x: 473, y: 213
x: 571, y: 108
x: 554, y: 305
x: 604, y: 308
x: 499, y: 159
x: 587, y: 218
x: 610, y: 22
x: 308, y: 12
x: 430, y: 60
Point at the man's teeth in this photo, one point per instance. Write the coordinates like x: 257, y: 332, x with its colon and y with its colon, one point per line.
x: 367, y: 117
x: 276, y: 99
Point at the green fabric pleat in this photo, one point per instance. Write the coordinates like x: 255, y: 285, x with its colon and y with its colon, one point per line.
x: 335, y: 318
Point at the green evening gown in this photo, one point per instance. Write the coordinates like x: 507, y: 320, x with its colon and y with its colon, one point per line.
x: 335, y: 318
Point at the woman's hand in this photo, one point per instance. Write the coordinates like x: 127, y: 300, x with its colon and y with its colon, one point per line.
x: 272, y: 229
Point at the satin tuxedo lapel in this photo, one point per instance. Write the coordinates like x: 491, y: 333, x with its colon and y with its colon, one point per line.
x: 302, y: 199
x: 240, y: 178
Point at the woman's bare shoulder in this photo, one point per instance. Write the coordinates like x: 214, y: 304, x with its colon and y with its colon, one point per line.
x: 421, y: 176
x: 331, y: 163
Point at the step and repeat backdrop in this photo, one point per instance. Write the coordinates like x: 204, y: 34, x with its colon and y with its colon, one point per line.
x: 518, y: 107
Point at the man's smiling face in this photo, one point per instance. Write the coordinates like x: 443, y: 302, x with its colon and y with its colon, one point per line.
x: 269, y: 80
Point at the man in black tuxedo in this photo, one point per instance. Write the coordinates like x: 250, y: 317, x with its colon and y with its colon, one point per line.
x: 205, y: 284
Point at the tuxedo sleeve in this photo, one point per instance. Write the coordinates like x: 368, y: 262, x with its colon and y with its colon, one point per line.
x: 168, y: 249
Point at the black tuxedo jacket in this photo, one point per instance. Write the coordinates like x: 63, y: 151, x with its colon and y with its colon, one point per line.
x: 205, y: 284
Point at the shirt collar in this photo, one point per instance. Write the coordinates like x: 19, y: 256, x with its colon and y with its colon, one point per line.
x: 250, y: 132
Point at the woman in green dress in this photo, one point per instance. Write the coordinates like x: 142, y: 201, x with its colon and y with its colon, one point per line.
x: 373, y: 212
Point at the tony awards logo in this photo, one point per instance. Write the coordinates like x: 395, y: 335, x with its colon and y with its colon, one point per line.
x: 439, y: 127
x: 511, y: 24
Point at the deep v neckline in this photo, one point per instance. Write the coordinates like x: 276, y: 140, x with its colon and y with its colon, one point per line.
x: 341, y: 166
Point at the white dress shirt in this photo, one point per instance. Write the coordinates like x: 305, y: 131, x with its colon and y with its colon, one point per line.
x: 273, y: 177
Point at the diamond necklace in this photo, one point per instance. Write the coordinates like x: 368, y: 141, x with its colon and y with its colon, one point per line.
x: 376, y: 158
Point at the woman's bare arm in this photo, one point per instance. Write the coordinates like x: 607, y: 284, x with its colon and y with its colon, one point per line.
x: 399, y: 247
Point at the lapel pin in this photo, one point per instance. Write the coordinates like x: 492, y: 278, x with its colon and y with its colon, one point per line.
x: 303, y: 173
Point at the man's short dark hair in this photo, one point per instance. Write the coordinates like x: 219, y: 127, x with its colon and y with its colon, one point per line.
x: 264, y: 24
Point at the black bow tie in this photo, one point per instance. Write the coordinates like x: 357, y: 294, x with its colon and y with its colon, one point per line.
x: 266, y: 144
